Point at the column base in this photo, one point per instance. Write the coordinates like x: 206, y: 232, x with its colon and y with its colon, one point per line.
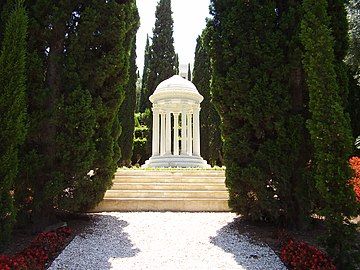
x: 171, y: 161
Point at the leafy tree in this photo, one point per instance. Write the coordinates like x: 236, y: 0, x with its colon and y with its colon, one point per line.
x: 127, y: 112
x: 330, y: 132
x: 12, y: 110
x: 210, y: 136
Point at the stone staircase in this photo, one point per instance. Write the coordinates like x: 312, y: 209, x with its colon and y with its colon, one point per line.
x: 190, y: 190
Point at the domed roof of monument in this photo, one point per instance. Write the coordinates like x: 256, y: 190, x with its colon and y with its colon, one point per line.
x: 176, y: 88
x: 176, y: 83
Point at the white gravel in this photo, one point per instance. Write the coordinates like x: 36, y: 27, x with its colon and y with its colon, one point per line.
x: 165, y: 241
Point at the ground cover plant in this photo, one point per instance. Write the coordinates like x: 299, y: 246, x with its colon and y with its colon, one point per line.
x: 42, y: 249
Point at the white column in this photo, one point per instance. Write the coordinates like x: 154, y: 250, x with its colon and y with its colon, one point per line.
x: 197, y: 132
x: 168, y: 133
x: 155, y: 136
x: 176, y: 134
x: 183, y: 133
x: 189, y: 133
x: 162, y: 134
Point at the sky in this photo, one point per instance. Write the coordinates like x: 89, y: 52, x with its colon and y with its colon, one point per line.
x: 189, y: 21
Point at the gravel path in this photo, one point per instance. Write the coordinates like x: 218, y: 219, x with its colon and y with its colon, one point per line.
x: 165, y: 241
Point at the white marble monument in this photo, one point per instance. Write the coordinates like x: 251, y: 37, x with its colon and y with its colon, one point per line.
x: 176, y: 125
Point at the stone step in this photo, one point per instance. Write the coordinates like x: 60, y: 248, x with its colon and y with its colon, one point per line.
x: 166, y: 194
x: 178, y: 172
x: 163, y: 204
x: 169, y: 186
x: 166, y: 190
x: 168, y: 179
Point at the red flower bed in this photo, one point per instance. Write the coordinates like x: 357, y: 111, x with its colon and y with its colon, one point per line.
x: 302, y: 256
x: 355, y: 164
x: 42, y: 249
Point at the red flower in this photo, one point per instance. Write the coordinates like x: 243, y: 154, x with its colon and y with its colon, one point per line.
x: 355, y: 181
x: 42, y: 248
x: 302, y: 256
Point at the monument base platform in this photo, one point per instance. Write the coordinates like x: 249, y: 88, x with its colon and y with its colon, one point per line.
x: 171, y: 161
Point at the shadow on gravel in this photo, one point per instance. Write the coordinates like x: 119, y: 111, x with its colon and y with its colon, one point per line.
x: 104, y: 242
x: 246, y: 253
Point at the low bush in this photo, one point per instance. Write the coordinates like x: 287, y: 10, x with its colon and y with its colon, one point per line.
x: 299, y: 255
x: 41, y: 250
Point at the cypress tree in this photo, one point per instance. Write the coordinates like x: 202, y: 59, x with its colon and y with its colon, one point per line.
x: 144, y: 90
x: 210, y: 138
x: 163, y: 58
x: 127, y: 112
x: 339, y: 27
x: 12, y: 110
x: 330, y: 133
x: 76, y: 124
x: 353, y: 60
x: 177, y: 64
x: 301, y: 194
x: 353, y: 57
x: 189, y: 72
x: 103, y: 69
x: 72, y: 149
x: 162, y: 65
x: 41, y: 176
x: 3, y: 14
x: 252, y: 92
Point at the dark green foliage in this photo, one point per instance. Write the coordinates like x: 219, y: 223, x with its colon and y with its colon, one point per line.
x: 162, y: 64
x: 189, y: 72
x: 339, y: 26
x: 141, y: 150
x: 210, y: 135
x: 353, y: 107
x: 12, y: 111
x: 143, y: 94
x: 262, y: 123
x: 353, y: 60
x: 177, y: 71
x: 72, y: 149
x: 104, y: 72
x: 127, y: 112
x: 5, y: 10
x: 330, y: 133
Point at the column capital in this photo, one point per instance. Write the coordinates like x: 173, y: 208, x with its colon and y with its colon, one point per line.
x: 196, y: 108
